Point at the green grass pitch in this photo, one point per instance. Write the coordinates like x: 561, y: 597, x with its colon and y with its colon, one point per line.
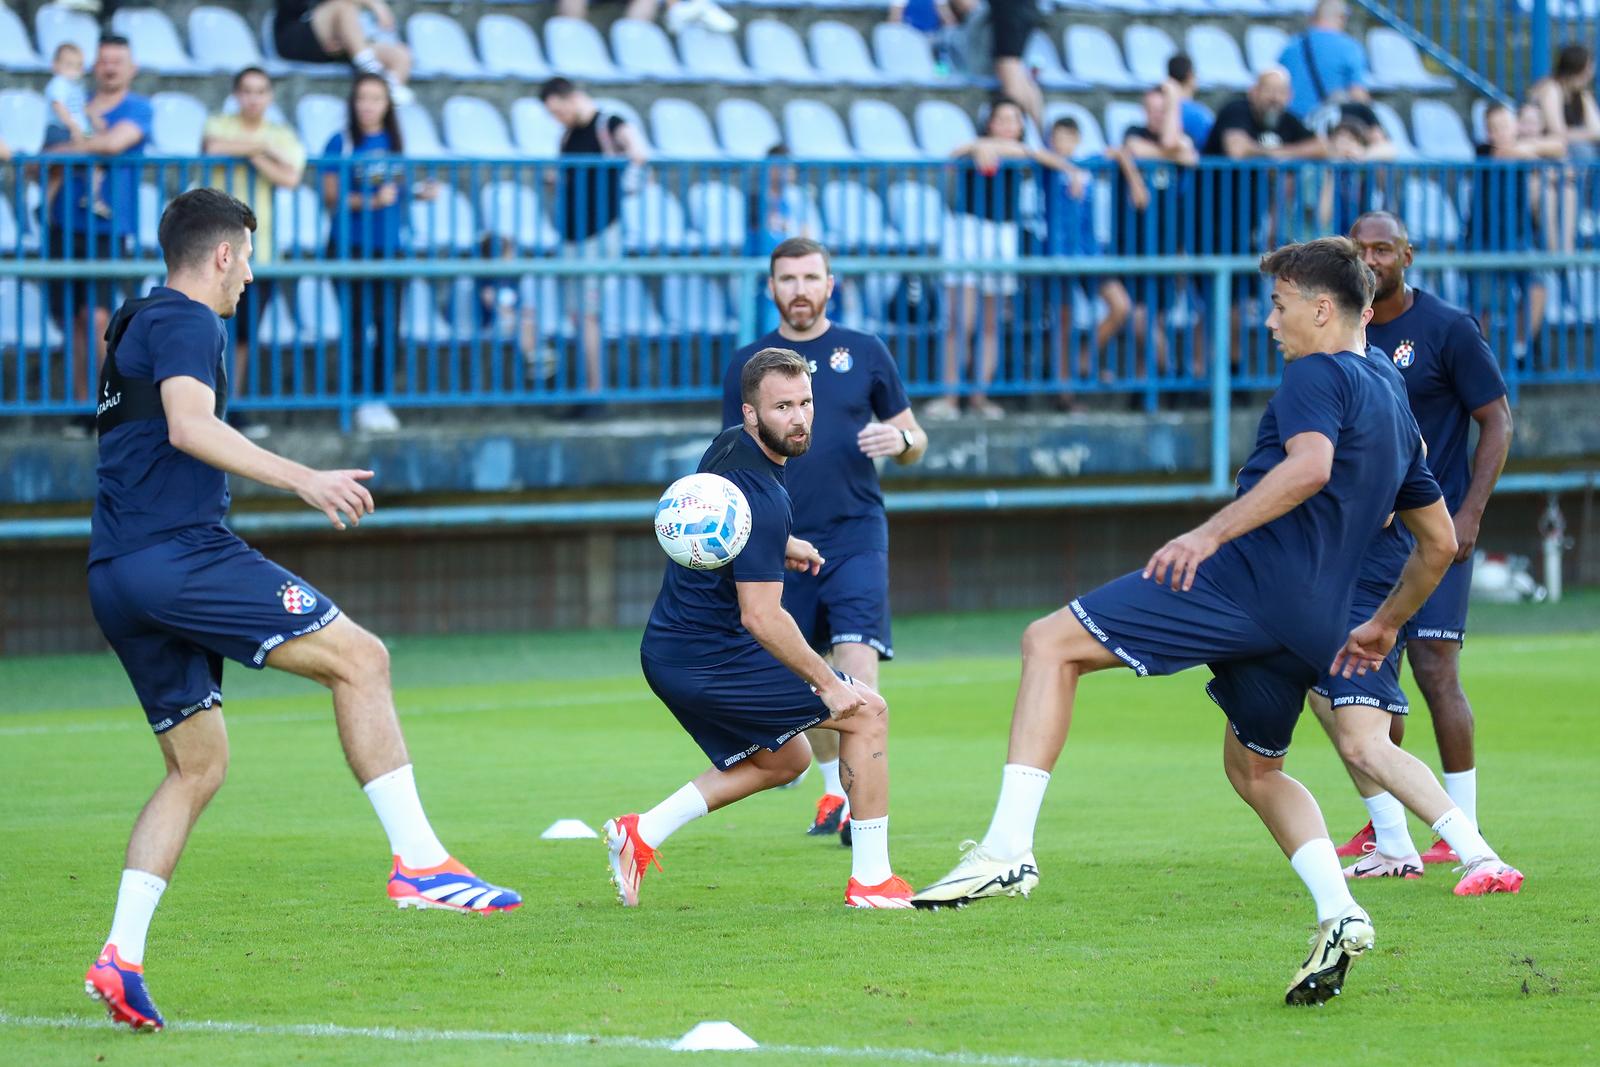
x: 1164, y: 930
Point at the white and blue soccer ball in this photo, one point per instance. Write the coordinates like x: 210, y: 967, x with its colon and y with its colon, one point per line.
x: 703, y: 521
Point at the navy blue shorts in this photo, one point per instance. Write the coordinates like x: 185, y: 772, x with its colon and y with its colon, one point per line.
x: 846, y: 604
x: 1155, y: 630
x: 172, y: 612
x: 1375, y: 689
x: 735, y: 708
x: 1443, y: 617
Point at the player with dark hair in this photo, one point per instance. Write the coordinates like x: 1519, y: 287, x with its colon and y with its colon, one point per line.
x: 1249, y: 593
x: 175, y: 591
x: 731, y: 665
x: 863, y: 415
x: 1452, y: 381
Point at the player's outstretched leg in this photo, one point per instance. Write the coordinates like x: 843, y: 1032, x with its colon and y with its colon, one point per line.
x: 632, y: 841
x: 355, y: 666
x: 196, y: 755
x: 1056, y: 650
x: 1290, y: 813
x: 1383, y: 847
x: 1362, y: 736
x: 864, y: 774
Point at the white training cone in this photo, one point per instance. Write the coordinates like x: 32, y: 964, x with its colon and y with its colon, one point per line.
x: 714, y: 1037
x: 567, y: 829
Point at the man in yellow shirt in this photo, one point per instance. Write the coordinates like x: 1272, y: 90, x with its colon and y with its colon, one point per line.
x: 267, y: 156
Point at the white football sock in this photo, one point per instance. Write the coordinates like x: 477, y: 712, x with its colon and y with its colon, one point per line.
x: 394, y: 798
x: 830, y: 780
x: 137, y: 898
x: 1389, y: 826
x: 671, y: 815
x: 1317, y: 864
x: 1462, y: 836
x: 367, y: 62
x: 1016, y: 812
x: 869, y: 851
x: 1463, y: 789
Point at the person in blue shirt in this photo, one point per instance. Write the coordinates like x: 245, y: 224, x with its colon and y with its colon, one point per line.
x: 175, y: 592
x: 1453, y: 382
x: 94, y: 214
x: 863, y: 415
x: 1326, y: 65
x: 735, y: 669
x: 1194, y: 117
x: 367, y: 199
x: 1357, y: 712
x: 1260, y: 593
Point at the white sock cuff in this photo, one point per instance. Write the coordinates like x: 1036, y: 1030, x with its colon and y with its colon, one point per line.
x: 869, y: 825
x: 1306, y: 851
x: 1026, y: 771
x: 399, y: 774
x: 143, y: 881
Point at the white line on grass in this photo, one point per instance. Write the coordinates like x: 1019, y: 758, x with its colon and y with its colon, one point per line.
x: 516, y: 1037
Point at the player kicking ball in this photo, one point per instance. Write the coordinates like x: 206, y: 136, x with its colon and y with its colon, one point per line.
x: 727, y: 660
x: 174, y: 591
x: 1248, y: 593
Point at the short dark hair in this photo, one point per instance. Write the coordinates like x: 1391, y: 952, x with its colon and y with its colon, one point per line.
x: 1180, y: 68
x: 1572, y: 60
x: 246, y: 72
x: 115, y: 40
x: 197, y: 221
x: 1066, y: 122
x: 784, y: 361
x: 1358, y: 130
x: 1385, y: 216
x: 795, y: 247
x: 1329, y: 265
x: 995, y: 105
x: 556, y: 87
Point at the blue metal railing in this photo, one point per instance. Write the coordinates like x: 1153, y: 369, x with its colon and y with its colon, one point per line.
x: 499, y: 282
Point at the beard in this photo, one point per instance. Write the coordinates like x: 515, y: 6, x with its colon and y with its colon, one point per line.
x: 1388, y: 285
x: 780, y: 443
x: 800, y: 325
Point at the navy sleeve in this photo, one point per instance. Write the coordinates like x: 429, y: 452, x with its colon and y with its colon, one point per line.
x: 1419, y: 488
x: 1312, y: 399
x: 763, y: 554
x: 732, y: 402
x: 888, y: 392
x: 1472, y: 368
x: 184, y: 346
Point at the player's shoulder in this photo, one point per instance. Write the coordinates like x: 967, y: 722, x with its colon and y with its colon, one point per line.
x: 1437, y: 311
x: 769, y: 340
x: 857, y: 343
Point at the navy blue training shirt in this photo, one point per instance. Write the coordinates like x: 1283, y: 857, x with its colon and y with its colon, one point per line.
x: 695, y: 621
x: 149, y: 490
x: 1450, y: 372
x: 1296, y: 575
x: 1386, y: 556
x: 838, y: 505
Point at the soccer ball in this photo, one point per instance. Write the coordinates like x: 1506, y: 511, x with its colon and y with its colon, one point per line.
x: 703, y: 521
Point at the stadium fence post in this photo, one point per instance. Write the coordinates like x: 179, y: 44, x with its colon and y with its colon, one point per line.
x: 1221, y: 380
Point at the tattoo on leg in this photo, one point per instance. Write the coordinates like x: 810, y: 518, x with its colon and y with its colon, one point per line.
x: 847, y: 775
x: 877, y: 755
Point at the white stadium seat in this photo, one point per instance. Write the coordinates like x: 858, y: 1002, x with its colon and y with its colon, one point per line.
x: 880, y: 130
x: 574, y: 48
x: 16, y: 50
x: 177, y: 123
x: 840, y: 54
x: 221, y: 42
x: 537, y: 132
x: 1218, y: 62
x: 1440, y: 132
x: 1395, y: 63
x: 904, y: 55
x: 1148, y: 48
x: 440, y: 48
x: 475, y: 128
x: 54, y: 25
x: 23, y: 116
x: 682, y: 130
x: 746, y: 129
x: 153, y: 40
x: 712, y: 56
x: 813, y: 130
x: 319, y: 116
x: 942, y: 127
x: 1263, y: 47
x: 775, y: 49
x: 643, y: 51
x: 1095, y: 58
x: 508, y: 47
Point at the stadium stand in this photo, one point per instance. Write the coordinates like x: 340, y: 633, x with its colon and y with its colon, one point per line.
x: 153, y: 40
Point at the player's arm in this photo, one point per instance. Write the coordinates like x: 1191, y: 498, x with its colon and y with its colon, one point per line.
x: 761, y: 612
x: 802, y: 556
x: 1430, y: 557
x: 193, y: 428
x: 898, y: 437
x: 1488, y: 460
x: 1303, y: 471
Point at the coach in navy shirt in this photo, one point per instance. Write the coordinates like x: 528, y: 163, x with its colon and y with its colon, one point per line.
x: 862, y: 416
x: 1452, y: 381
x: 1259, y: 593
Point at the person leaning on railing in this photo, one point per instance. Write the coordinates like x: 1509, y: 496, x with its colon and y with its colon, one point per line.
x: 1567, y: 110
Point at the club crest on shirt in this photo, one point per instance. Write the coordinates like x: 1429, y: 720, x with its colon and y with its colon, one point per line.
x: 297, y: 599
x: 840, y: 360
x: 1405, y: 354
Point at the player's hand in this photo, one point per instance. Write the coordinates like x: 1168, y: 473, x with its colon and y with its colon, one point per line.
x: 1365, y: 650
x: 848, y: 698
x: 332, y: 492
x: 1181, y: 558
x: 802, y: 556
x: 879, y: 439
x: 1466, y: 534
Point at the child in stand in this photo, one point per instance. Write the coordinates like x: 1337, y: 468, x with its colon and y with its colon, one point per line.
x: 70, y: 119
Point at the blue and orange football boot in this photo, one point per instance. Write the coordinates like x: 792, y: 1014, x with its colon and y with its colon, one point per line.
x: 119, y: 985
x: 449, y: 886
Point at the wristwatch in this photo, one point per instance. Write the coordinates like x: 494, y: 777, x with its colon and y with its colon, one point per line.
x: 911, y: 442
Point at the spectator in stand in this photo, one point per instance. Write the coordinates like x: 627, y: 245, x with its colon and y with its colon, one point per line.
x: 78, y: 231
x: 990, y: 38
x: 1566, y: 104
x: 269, y: 156
x: 1154, y: 183
x: 776, y: 214
x: 1325, y: 64
x: 1507, y: 201
x: 590, y: 209
x: 681, y: 14
x: 69, y: 117
x: 1069, y: 218
x: 1346, y: 192
x: 929, y: 16
x: 330, y: 31
x: 366, y: 198
x: 1194, y: 118
x: 983, y: 228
